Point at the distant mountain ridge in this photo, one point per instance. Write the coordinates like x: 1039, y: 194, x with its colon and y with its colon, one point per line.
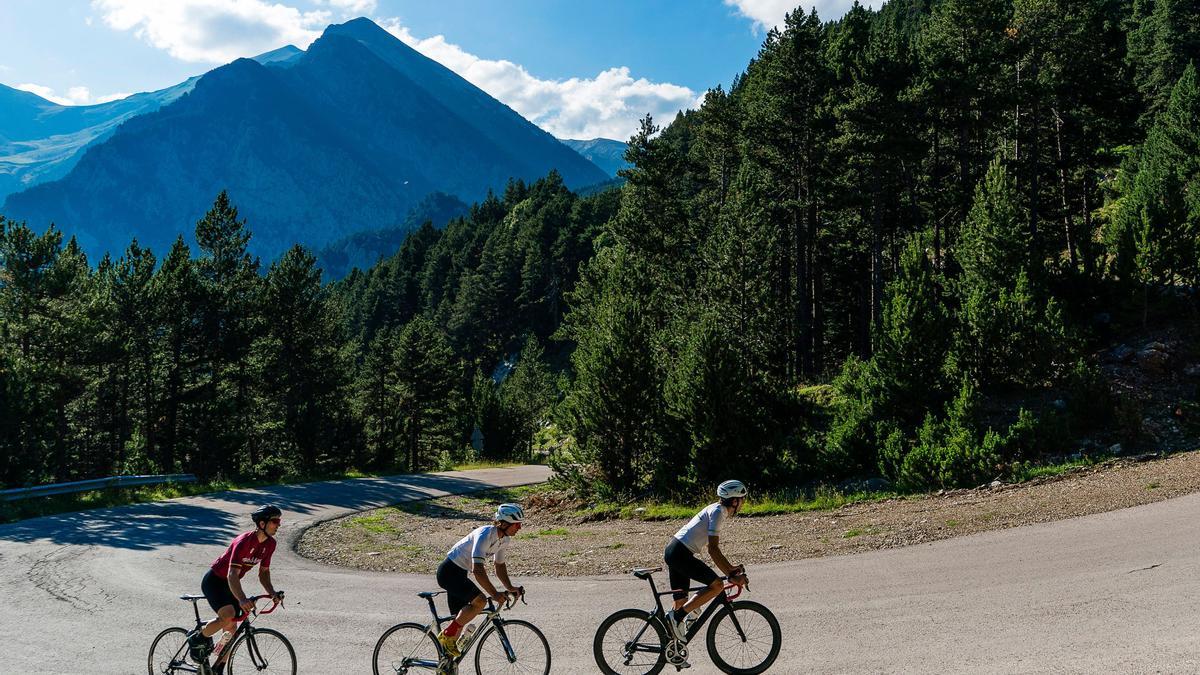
x: 41, y: 141
x: 603, y: 152
x: 345, y: 137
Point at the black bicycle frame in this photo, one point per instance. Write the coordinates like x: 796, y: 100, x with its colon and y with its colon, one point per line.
x: 494, y: 619
x: 720, y: 601
x: 242, y: 627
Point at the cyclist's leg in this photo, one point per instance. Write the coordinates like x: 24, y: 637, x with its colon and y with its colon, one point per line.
x: 220, y: 598
x: 685, y: 563
x: 463, y: 597
x: 676, y: 571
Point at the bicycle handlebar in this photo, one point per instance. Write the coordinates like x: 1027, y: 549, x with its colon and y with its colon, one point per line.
x: 258, y: 612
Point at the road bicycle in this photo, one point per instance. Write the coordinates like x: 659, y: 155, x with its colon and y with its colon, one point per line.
x: 501, y: 645
x: 261, y: 651
x: 743, y: 638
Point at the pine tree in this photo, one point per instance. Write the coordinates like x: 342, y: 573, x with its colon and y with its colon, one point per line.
x: 426, y: 394
x: 1161, y: 213
x: 229, y: 287
x: 300, y: 364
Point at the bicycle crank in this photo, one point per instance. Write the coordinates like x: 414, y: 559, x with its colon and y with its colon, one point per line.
x: 677, y: 653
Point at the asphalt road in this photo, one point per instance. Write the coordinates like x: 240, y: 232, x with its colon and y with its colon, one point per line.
x: 1113, y: 592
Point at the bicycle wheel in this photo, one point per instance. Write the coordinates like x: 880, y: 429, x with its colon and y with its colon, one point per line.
x: 169, y: 653
x: 750, y: 651
x: 404, y: 648
x: 526, y: 650
x: 262, y: 651
x: 630, y: 641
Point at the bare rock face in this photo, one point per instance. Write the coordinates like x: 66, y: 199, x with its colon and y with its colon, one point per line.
x: 1154, y: 357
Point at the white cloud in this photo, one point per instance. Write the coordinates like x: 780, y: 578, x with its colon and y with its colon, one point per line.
x: 767, y: 14
x: 359, y: 7
x: 608, y: 105
x: 74, y: 95
x: 214, y: 31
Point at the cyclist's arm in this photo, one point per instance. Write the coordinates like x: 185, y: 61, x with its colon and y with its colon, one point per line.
x: 502, y: 573
x: 264, y: 578
x: 714, y: 550
x: 235, y: 584
x: 481, y: 577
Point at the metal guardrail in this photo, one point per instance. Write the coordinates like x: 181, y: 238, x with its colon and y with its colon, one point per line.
x: 94, y: 484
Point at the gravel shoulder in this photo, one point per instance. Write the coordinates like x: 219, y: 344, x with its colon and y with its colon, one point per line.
x: 559, y: 541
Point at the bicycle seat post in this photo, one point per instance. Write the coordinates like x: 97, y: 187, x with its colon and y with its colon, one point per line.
x: 196, y: 609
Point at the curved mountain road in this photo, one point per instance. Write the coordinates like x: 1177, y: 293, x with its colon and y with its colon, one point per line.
x: 1113, y: 592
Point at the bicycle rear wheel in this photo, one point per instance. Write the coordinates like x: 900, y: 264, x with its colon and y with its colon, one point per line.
x: 406, y: 648
x: 169, y: 653
x: 526, y: 650
x: 630, y: 642
x: 262, y: 651
x: 752, y: 649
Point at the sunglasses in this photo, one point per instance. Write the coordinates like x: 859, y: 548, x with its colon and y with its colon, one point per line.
x: 275, y: 520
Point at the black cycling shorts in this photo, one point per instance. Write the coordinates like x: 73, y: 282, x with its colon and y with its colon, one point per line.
x: 460, y: 591
x: 216, y: 590
x: 683, y: 566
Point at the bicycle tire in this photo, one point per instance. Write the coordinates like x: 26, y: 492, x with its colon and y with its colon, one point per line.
x: 748, y: 614
x: 524, y: 646
x: 436, y: 649
x: 267, y: 642
x: 176, y: 661
x: 638, y: 618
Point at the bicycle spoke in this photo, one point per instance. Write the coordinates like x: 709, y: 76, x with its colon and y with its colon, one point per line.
x: 754, y: 647
x: 629, y: 645
x: 530, y: 654
x: 405, y: 648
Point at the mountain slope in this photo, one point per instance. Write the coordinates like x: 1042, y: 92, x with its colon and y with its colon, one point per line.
x: 343, y: 138
x: 41, y: 141
x: 605, y: 153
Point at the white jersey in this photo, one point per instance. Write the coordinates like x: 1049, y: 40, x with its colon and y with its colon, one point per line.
x: 703, y: 525
x: 477, y: 547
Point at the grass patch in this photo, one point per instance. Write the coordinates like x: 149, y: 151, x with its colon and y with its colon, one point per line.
x: 1028, y: 471
x: 376, y: 523
x: 615, y: 546
x: 1153, y: 486
x: 852, y: 533
x: 952, y: 523
x: 484, y: 464
x: 774, y: 504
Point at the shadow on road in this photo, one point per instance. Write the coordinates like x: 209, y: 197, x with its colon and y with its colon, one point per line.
x: 140, y: 527
x: 210, y: 519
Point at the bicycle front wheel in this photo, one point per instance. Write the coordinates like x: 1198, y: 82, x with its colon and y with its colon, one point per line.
x: 744, y: 638
x: 406, y: 648
x: 262, y: 651
x: 513, y: 647
x: 630, y: 642
x: 169, y: 653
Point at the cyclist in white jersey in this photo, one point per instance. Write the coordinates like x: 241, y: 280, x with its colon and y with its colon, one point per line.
x: 702, y: 531
x: 470, y: 555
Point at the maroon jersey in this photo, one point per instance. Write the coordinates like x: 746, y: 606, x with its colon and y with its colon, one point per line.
x: 245, y: 552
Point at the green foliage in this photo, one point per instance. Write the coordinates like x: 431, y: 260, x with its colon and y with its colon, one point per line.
x: 1156, y: 227
x: 947, y: 453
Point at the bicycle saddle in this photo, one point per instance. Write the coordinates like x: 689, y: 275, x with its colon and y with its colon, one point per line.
x: 645, y: 572
x: 429, y: 594
x: 191, y: 598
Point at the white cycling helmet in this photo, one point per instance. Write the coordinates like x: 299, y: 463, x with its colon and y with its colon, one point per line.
x: 510, y: 513
x: 732, y: 488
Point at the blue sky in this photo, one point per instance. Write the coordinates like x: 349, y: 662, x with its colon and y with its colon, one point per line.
x: 578, y: 69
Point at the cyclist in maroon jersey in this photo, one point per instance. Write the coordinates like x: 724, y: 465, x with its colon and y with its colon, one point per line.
x: 222, y: 583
